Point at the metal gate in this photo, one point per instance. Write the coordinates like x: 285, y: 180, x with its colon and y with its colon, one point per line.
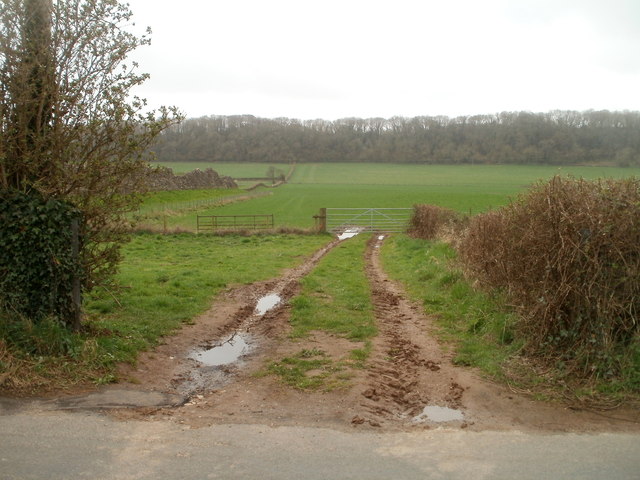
x: 383, y: 220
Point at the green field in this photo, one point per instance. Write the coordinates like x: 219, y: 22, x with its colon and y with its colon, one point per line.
x: 182, y: 199
x: 467, y: 189
x: 486, y: 176
x: 295, y: 204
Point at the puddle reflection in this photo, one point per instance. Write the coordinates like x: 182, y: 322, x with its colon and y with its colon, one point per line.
x: 227, y: 352
x: 266, y: 303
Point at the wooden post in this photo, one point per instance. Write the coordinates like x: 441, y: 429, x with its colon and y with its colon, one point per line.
x: 321, y: 220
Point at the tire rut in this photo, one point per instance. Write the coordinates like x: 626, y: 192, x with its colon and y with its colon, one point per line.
x: 406, y: 368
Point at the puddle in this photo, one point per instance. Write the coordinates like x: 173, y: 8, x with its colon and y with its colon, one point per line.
x: 439, y: 414
x: 349, y: 233
x: 266, y: 303
x: 225, y: 353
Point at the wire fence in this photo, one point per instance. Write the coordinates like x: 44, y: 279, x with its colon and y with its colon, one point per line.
x: 196, y: 204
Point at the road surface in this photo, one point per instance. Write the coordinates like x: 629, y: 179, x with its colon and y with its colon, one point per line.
x: 87, y: 445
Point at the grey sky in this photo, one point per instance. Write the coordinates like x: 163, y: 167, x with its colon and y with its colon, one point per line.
x: 368, y: 58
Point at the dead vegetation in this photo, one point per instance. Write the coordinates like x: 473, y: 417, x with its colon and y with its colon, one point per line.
x: 432, y: 221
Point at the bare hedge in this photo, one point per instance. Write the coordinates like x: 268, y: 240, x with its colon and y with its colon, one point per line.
x: 428, y: 221
x: 568, y: 254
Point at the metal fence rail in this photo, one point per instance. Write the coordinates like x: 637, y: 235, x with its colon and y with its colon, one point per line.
x: 212, y: 223
x: 384, y: 220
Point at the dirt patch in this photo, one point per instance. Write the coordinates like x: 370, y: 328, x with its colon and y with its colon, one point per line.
x: 407, y: 371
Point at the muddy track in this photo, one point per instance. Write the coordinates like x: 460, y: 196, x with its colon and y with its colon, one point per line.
x: 407, y: 371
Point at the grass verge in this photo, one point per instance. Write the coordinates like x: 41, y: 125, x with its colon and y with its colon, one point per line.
x: 336, y: 300
x: 164, y: 281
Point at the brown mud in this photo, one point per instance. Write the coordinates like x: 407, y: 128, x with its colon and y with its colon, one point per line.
x: 407, y: 370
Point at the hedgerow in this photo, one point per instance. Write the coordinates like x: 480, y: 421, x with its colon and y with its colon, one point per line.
x: 427, y: 221
x: 567, y: 253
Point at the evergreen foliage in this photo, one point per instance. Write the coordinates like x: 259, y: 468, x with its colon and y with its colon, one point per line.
x: 37, y: 262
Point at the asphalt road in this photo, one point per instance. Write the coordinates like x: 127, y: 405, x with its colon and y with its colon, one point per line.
x: 81, y: 445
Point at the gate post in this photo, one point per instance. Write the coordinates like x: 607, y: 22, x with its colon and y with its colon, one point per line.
x: 321, y: 220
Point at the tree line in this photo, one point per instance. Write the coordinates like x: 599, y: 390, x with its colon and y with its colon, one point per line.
x: 556, y: 137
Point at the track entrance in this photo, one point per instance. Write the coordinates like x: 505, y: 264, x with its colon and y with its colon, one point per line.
x: 383, y: 220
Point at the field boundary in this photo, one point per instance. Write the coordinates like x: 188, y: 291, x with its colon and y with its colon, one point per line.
x: 204, y: 202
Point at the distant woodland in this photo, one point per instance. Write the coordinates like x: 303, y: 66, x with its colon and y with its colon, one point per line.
x: 557, y: 137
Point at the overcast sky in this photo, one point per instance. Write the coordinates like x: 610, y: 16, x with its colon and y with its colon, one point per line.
x: 331, y: 59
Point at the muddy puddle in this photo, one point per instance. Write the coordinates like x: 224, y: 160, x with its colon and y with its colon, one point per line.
x: 225, y: 353
x: 215, y: 365
x: 231, y: 349
x: 436, y: 414
x: 266, y: 303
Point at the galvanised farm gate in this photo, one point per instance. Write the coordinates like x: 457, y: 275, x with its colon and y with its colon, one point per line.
x: 383, y: 220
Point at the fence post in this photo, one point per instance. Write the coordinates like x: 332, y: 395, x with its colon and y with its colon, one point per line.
x: 321, y: 220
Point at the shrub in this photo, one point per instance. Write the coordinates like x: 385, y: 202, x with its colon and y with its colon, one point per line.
x: 567, y: 253
x: 428, y: 221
